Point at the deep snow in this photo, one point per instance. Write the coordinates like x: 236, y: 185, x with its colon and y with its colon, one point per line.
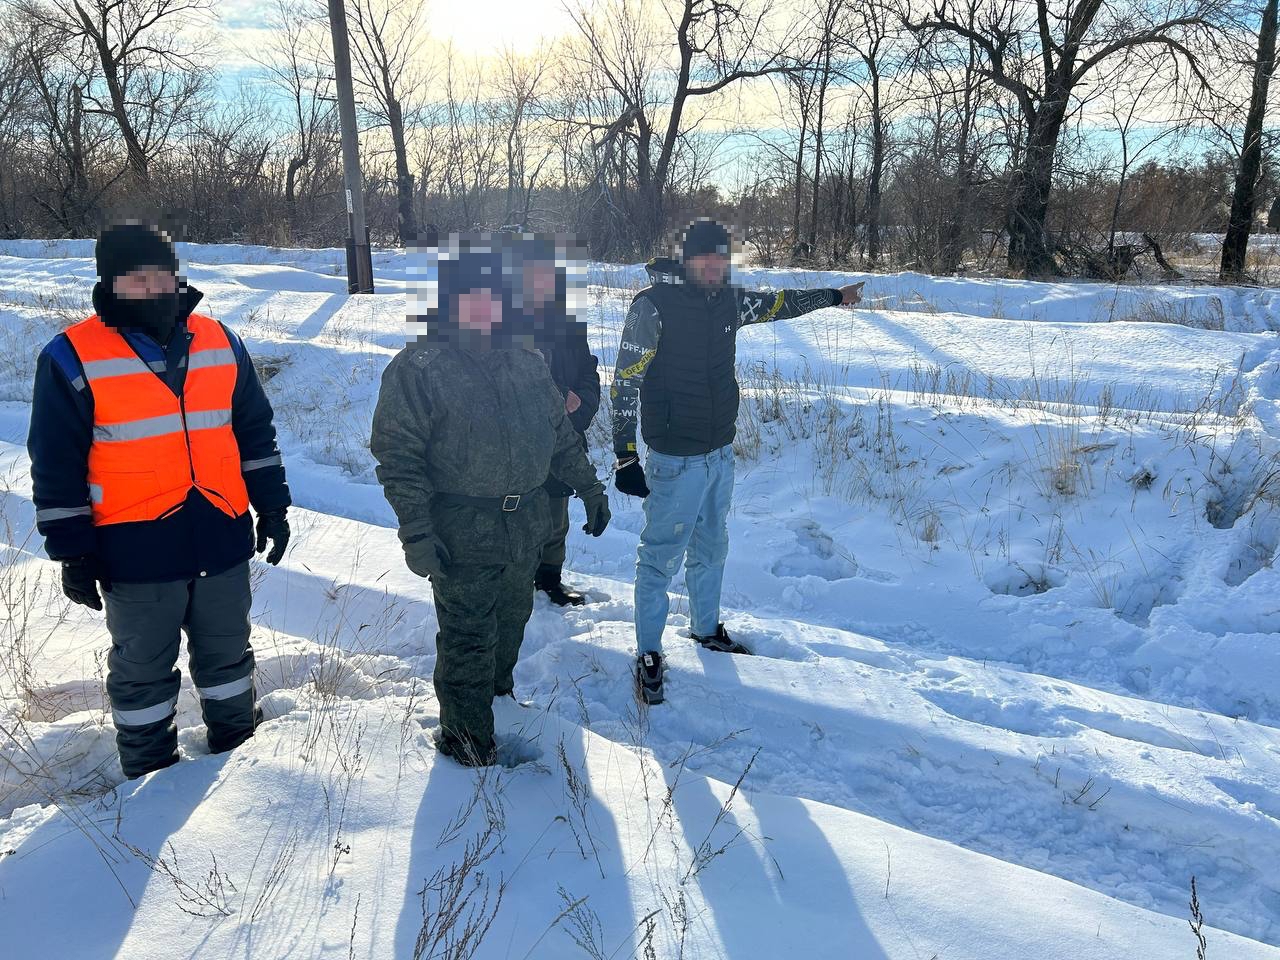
x: 1005, y: 553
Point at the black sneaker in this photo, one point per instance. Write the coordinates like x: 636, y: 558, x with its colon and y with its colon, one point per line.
x: 466, y: 751
x: 561, y: 595
x: 649, y: 672
x: 721, y: 642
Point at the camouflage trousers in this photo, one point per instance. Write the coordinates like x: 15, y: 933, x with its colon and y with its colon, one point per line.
x: 482, y: 609
x: 553, y: 551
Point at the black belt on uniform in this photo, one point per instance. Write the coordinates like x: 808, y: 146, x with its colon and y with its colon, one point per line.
x: 507, y: 504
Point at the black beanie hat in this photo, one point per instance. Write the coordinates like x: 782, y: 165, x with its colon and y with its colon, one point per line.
x: 470, y: 270
x: 123, y: 247
x: 704, y: 236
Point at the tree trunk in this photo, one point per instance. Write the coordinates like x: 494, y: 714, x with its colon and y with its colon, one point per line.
x: 291, y: 179
x: 1029, y: 252
x: 408, y: 226
x: 951, y: 247
x: 1115, y: 209
x: 1244, y: 197
x: 877, y: 169
x: 799, y: 186
x: 656, y: 210
x: 817, y: 145
x: 850, y: 220
x: 137, y: 157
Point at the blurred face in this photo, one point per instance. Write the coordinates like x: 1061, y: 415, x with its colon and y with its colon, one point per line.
x: 708, y: 269
x: 145, y: 283
x: 539, y: 283
x: 479, y: 310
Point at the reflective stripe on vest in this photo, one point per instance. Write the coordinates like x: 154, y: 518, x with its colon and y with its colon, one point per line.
x: 150, y: 447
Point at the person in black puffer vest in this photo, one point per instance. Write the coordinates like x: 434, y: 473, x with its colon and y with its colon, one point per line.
x: 676, y: 365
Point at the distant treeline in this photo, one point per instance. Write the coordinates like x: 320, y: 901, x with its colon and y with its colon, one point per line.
x: 898, y: 133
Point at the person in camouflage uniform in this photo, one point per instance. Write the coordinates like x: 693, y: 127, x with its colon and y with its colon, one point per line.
x: 467, y: 428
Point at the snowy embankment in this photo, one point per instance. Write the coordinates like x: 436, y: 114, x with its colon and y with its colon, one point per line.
x: 1007, y: 567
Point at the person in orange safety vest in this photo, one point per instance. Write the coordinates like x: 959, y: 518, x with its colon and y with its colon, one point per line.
x: 151, y: 438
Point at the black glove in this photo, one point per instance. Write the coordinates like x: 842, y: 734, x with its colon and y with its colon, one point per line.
x: 273, y: 526
x: 630, y: 477
x: 597, y: 505
x: 80, y: 579
x: 426, y: 555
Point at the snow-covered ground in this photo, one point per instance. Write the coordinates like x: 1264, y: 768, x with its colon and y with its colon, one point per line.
x: 1004, y: 550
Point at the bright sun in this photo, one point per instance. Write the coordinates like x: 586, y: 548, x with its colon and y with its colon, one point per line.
x: 488, y: 26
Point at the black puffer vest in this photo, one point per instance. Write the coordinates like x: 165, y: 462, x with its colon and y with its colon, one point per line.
x: 689, y: 395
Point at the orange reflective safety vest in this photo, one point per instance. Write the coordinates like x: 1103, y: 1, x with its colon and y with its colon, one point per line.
x: 151, y: 447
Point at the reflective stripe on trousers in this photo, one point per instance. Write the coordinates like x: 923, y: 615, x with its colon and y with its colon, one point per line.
x: 145, y: 716
x: 225, y: 691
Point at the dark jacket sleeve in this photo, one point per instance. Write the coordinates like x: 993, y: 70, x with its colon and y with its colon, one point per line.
x: 400, y: 439
x: 58, y: 443
x: 587, y: 382
x: 570, y: 463
x: 759, y: 307
x: 640, y: 335
x: 254, y: 427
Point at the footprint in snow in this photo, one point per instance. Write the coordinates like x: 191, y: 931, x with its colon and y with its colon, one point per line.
x: 762, y: 643
x: 1250, y: 557
x: 1023, y: 579
x: 515, y: 751
x: 816, y: 555
x: 1030, y: 717
x: 1263, y: 800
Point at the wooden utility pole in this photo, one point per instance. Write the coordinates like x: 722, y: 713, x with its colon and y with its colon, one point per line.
x: 359, y: 259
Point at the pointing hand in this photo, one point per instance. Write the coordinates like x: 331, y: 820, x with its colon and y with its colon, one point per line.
x: 851, y: 295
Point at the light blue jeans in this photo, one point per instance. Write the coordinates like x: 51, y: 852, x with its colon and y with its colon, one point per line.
x: 686, y: 512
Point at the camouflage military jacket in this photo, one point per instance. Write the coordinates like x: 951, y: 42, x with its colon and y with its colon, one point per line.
x: 481, y: 423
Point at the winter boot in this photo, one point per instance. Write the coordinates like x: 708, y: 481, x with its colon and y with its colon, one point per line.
x: 721, y: 642
x: 548, y: 581
x: 466, y: 752
x: 649, y: 672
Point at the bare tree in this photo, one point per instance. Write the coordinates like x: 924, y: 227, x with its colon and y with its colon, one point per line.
x: 292, y: 64
x: 1128, y: 104
x: 521, y: 80
x: 148, y: 77
x: 867, y: 34
x: 717, y: 44
x: 1041, y: 53
x: 17, y: 90
x: 223, y: 170
x: 803, y: 84
x: 1244, y: 197
x: 74, y: 144
x: 473, y: 146
x: 387, y: 54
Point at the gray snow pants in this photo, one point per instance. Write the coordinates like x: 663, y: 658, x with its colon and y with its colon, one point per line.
x: 145, y: 621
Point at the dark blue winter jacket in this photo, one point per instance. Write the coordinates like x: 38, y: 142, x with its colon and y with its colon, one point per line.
x: 197, y: 539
